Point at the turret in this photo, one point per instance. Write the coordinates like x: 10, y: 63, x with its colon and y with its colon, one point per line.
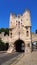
x: 12, y: 21
x: 26, y: 18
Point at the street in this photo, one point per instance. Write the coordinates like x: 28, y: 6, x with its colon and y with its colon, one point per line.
x: 4, y: 57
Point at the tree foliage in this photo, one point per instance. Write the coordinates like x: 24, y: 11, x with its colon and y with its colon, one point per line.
x: 3, y: 46
x: 6, y: 30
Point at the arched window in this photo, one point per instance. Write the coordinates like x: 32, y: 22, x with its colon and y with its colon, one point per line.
x: 26, y: 27
x: 19, y: 23
x: 10, y: 29
x: 27, y: 33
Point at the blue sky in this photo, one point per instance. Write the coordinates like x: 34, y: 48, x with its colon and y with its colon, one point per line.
x: 17, y: 7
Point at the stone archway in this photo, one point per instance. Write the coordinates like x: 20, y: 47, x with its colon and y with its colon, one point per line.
x: 19, y: 45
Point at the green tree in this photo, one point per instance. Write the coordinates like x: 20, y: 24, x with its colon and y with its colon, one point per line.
x: 2, y: 30
x: 3, y: 46
x: 6, y: 30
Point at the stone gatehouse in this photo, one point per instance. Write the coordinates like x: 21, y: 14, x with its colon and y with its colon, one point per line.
x: 20, y: 36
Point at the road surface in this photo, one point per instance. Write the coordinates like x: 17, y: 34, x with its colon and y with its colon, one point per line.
x: 4, y: 57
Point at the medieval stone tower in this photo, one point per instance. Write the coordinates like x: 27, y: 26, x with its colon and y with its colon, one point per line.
x: 20, y: 32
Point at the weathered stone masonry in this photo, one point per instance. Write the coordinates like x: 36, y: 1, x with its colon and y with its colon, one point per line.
x: 20, y: 28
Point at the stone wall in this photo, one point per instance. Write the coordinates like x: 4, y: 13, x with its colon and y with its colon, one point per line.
x: 4, y: 38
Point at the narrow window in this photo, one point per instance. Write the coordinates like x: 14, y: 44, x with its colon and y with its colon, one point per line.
x: 16, y: 23
x: 19, y: 23
x: 27, y: 33
x: 11, y: 35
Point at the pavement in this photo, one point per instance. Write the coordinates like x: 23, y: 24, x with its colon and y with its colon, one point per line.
x: 18, y: 59
x: 28, y: 59
x: 7, y: 59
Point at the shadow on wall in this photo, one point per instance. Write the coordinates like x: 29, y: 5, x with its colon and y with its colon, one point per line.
x: 3, y: 46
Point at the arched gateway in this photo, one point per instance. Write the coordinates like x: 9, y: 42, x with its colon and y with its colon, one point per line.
x: 19, y: 45
x: 20, y: 33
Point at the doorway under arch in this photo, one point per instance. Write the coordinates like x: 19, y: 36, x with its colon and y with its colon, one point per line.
x: 19, y: 45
